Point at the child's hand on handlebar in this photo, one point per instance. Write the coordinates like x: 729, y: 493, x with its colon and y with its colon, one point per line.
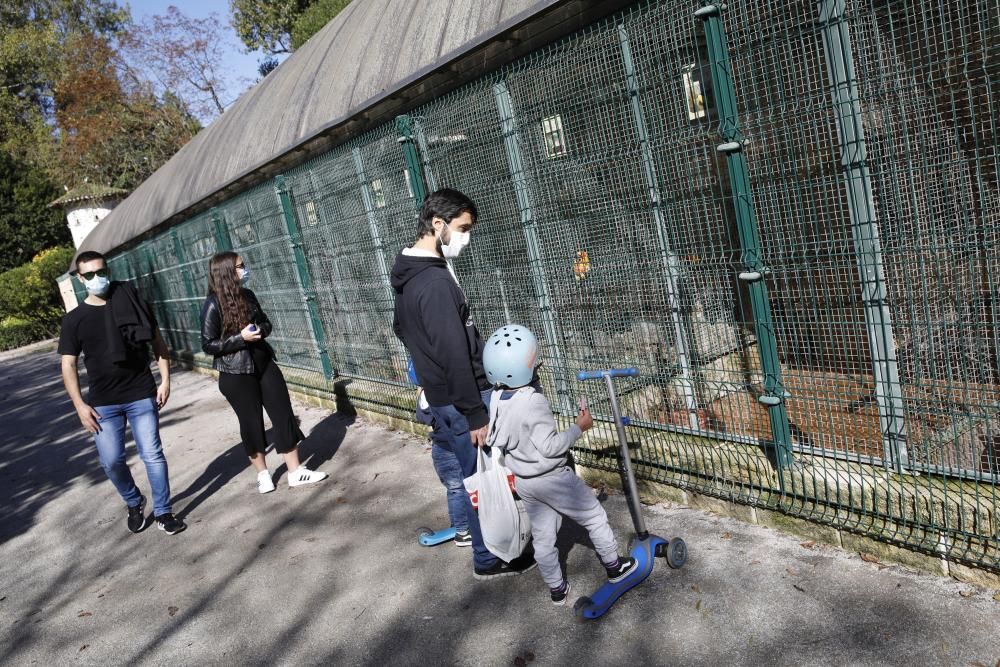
x: 584, y: 419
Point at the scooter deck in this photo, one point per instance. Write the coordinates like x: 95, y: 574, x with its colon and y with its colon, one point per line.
x: 602, y: 600
x: 430, y: 538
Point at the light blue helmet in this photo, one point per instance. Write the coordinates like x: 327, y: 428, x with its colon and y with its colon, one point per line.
x: 510, y: 356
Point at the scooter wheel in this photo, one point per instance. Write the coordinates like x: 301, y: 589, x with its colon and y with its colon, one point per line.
x: 424, y: 532
x: 581, y: 604
x: 677, y: 553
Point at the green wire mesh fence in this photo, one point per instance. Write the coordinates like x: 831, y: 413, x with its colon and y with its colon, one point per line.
x: 785, y: 214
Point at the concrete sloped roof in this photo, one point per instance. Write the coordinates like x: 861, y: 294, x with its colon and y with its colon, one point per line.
x: 87, y: 191
x: 370, y: 50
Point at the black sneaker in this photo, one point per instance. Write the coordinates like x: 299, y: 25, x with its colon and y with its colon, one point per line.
x: 560, y: 595
x: 170, y: 524
x: 463, y: 539
x: 519, y: 565
x: 625, y: 567
x: 137, y: 520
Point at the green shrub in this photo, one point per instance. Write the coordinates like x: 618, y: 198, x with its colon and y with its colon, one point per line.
x: 18, y: 333
x: 29, y: 292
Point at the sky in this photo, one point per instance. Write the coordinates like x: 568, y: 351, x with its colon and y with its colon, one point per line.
x: 240, y: 65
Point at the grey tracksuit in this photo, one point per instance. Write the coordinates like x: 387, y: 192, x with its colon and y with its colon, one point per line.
x: 521, y: 423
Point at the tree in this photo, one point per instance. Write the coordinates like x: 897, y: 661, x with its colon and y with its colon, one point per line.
x: 113, y: 131
x: 27, y: 225
x: 182, y: 55
x: 267, y: 24
x: 314, y: 18
x: 32, y: 36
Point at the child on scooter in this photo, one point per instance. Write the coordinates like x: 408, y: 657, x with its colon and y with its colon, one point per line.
x: 522, y: 425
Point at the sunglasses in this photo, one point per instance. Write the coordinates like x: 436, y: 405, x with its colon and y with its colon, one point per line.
x: 89, y: 275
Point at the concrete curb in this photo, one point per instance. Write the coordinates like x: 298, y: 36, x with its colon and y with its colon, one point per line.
x: 35, y: 348
x: 869, y: 549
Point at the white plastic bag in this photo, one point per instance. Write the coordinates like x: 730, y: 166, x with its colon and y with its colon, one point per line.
x: 503, y: 520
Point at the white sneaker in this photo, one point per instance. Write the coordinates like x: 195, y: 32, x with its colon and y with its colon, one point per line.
x: 264, y: 482
x: 303, y: 475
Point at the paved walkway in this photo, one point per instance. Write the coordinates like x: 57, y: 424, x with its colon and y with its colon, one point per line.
x: 333, y: 575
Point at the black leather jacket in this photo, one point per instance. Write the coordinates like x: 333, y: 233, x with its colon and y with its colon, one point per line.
x: 232, y: 354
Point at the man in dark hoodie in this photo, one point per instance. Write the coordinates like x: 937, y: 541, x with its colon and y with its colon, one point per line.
x: 434, y: 321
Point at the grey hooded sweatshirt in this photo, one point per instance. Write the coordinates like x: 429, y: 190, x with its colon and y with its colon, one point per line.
x: 521, y: 423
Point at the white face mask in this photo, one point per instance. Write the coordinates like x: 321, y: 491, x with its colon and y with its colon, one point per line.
x: 455, y: 245
x: 98, y: 285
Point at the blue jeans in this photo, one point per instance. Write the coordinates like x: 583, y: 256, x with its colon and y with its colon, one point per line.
x: 449, y: 471
x: 451, y: 433
x: 144, y: 417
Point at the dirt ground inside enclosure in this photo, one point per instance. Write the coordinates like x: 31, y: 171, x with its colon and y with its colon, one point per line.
x: 333, y: 575
x: 950, y: 425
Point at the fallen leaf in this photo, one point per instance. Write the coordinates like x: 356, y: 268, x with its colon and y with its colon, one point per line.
x: 695, y: 588
x: 341, y: 500
x: 261, y: 546
x: 997, y: 598
x: 3, y: 598
x: 755, y: 562
x: 84, y: 647
x: 792, y: 572
x: 83, y: 613
x: 101, y: 595
x: 172, y: 610
x: 697, y: 605
x: 520, y: 662
x: 311, y: 539
x: 727, y: 536
x: 967, y: 593
x: 868, y: 558
x: 247, y: 531
x: 976, y: 663
x: 798, y: 588
x: 530, y: 656
x: 808, y: 544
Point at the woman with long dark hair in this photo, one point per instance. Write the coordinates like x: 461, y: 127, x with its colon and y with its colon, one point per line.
x: 233, y: 329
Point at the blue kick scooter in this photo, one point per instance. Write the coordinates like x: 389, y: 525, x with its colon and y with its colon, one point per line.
x: 644, y: 547
x: 431, y: 538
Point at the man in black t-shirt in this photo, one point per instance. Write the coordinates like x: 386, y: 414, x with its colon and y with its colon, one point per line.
x: 113, y: 328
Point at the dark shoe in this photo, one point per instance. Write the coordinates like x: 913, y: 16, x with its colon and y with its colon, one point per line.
x: 625, y: 567
x: 463, y: 539
x: 560, y: 595
x: 137, y: 520
x: 519, y: 565
x: 170, y: 524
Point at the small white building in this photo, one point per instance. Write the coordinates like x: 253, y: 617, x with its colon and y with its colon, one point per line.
x: 86, y: 205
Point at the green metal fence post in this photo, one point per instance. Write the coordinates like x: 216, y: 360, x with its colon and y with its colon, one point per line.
x: 536, y: 265
x: 425, y: 152
x: 754, y: 268
x: 864, y: 229
x: 302, y: 268
x: 414, y: 167
x: 223, y: 241
x: 667, y: 257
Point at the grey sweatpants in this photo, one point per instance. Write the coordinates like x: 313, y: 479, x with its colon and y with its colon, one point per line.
x: 549, y: 497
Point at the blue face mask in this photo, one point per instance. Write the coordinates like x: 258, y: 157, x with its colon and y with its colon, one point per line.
x: 98, y: 285
x: 244, y: 274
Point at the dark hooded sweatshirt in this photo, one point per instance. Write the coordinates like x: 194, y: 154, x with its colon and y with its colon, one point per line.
x: 433, y: 320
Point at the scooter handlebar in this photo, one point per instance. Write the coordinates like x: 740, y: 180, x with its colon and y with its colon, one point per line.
x: 611, y: 372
